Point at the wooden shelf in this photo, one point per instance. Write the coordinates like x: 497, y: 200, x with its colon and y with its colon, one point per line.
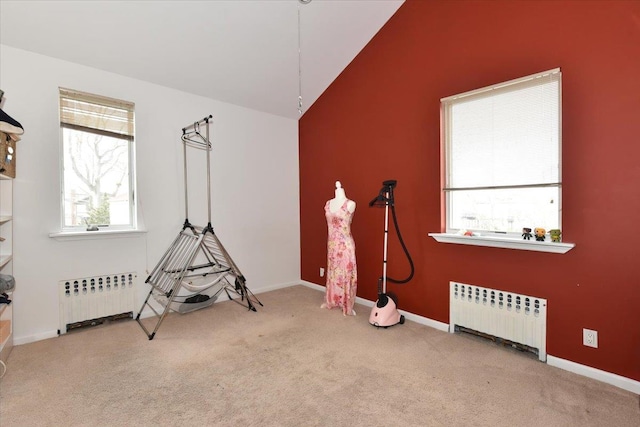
x: 5, y: 328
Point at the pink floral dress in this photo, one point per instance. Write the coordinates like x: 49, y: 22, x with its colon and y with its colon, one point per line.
x: 342, y: 274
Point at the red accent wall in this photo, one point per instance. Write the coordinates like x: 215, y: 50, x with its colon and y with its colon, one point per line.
x: 380, y: 120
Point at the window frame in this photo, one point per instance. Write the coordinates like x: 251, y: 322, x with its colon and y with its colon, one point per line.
x: 127, y: 135
x: 510, y: 86
x: 479, y: 237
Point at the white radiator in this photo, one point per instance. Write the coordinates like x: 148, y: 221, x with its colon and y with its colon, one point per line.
x: 520, y: 319
x: 92, y: 298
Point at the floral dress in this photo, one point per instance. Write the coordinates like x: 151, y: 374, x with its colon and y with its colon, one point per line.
x: 342, y: 274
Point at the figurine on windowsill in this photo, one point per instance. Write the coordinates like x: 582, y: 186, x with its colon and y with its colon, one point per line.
x: 526, y: 234
x: 555, y: 235
x: 540, y: 234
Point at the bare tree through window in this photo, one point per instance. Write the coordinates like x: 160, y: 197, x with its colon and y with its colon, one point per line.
x: 100, y: 167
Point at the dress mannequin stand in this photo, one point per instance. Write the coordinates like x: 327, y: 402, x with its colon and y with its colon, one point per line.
x: 339, y: 199
x: 342, y: 274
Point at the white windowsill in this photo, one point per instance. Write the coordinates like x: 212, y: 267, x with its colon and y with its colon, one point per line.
x: 504, y: 242
x: 100, y: 234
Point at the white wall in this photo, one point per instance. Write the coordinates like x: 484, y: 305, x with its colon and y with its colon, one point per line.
x: 255, y: 186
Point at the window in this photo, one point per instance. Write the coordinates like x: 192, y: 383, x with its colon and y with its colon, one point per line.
x: 98, y: 180
x: 502, y: 149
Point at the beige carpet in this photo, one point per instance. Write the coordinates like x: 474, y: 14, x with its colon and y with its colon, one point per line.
x: 293, y: 364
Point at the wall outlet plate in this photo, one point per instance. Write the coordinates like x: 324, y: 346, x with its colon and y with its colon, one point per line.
x: 590, y: 338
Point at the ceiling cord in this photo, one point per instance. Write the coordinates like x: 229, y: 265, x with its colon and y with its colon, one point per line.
x: 300, y: 59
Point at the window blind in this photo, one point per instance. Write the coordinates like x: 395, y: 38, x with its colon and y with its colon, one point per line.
x: 83, y: 110
x: 507, y: 135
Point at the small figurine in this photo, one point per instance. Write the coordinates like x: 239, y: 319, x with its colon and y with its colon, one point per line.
x: 555, y: 235
x: 526, y: 234
x: 540, y: 234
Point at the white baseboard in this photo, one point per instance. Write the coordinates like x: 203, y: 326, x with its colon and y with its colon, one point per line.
x: 444, y: 327
x: 35, y: 337
x: 409, y: 316
x: 596, y: 374
x: 276, y: 286
x: 313, y: 286
x: 586, y: 371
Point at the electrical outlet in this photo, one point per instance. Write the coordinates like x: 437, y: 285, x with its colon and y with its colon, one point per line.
x: 321, y: 272
x: 590, y: 338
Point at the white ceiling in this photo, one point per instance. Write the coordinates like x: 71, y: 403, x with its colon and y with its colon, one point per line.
x: 243, y: 52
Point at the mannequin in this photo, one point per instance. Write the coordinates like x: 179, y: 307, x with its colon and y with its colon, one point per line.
x: 342, y: 273
x: 338, y: 200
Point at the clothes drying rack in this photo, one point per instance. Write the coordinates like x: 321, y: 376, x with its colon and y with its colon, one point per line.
x: 196, y: 268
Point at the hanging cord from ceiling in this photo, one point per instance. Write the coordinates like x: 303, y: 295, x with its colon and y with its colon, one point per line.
x: 300, y: 59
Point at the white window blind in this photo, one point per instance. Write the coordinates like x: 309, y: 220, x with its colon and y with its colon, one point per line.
x: 503, y: 156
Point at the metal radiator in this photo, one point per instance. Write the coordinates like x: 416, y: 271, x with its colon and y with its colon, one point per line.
x: 90, y: 300
x: 519, y: 319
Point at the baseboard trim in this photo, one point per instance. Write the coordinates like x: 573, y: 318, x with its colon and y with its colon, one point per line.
x: 35, y: 337
x: 276, y: 287
x: 567, y: 365
x: 313, y: 286
x: 596, y: 374
x: 444, y: 327
x: 409, y: 316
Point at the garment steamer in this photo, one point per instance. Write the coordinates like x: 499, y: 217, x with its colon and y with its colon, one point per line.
x: 385, y: 312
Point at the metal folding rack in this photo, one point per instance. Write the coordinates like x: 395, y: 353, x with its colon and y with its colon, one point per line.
x: 196, y: 260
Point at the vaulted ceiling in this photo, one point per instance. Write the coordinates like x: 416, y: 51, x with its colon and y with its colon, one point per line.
x: 259, y: 54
